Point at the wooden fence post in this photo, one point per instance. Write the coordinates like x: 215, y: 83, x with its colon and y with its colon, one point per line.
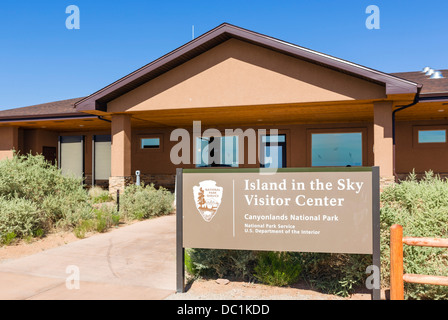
x: 396, y: 263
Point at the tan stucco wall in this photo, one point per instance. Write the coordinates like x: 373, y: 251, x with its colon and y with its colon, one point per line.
x: 383, y: 140
x: 236, y: 73
x: 121, y: 146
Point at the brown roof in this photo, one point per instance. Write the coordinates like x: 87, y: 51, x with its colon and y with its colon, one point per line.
x: 429, y: 85
x: 57, y: 108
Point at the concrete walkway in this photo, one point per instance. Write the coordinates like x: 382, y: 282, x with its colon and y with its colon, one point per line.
x: 134, y: 262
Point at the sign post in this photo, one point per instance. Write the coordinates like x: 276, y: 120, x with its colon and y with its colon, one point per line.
x: 180, y: 251
x: 331, y: 210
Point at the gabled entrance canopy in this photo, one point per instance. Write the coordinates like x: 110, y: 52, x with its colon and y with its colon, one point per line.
x: 97, y: 102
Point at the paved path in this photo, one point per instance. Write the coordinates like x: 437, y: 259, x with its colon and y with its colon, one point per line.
x: 134, y: 262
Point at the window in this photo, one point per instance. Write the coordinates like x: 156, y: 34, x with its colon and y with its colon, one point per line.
x: 150, y: 143
x: 101, y: 157
x: 431, y: 136
x: 71, y: 155
x: 336, y: 149
x: 273, y: 151
x: 217, y: 151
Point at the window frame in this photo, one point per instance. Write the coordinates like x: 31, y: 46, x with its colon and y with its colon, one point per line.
x: 265, y: 144
x: 196, y: 146
x: 74, y: 138
x: 415, y: 133
x: 98, y: 138
x: 364, y: 142
x: 142, y: 136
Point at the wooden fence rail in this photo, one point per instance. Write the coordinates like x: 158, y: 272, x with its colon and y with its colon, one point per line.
x: 397, y: 278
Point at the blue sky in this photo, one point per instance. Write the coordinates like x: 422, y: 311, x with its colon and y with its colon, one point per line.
x: 42, y: 61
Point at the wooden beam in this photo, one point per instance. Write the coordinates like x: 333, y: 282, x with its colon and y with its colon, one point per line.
x: 426, y: 242
x: 424, y: 279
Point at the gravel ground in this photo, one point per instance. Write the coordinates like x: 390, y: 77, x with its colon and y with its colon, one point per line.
x: 226, y: 290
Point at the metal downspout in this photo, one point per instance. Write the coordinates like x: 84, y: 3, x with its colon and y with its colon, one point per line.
x: 101, y: 118
x: 416, y: 100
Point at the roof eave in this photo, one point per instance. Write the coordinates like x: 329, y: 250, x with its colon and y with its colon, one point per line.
x: 46, y: 117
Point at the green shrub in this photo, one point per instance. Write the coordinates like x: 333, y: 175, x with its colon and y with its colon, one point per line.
x: 8, y: 238
x: 338, y: 274
x: 277, y: 268
x: 84, y: 227
x: 19, y: 216
x: 143, y: 202
x: 99, y: 195
x: 230, y: 264
x: 421, y: 207
x: 35, y: 197
x: 104, y: 218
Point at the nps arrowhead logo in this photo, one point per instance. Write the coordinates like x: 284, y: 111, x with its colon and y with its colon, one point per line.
x: 208, y: 198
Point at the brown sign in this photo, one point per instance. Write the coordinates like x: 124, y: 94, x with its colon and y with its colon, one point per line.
x: 305, y: 210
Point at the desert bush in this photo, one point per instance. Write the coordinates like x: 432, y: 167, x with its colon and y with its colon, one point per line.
x: 99, y: 195
x: 338, y: 274
x: 331, y: 273
x: 104, y: 217
x: 232, y: 264
x: 35, y: 196
x: 421, y: 207
x: 143, y: 202
x: 84, y: 227
x: 20, y: 217
x: 277, y: 268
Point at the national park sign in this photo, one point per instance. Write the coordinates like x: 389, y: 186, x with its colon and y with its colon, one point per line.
x: 333, y: 210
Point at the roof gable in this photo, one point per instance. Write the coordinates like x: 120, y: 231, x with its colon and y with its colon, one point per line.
x: 224, y: 32
x: 237, y: 73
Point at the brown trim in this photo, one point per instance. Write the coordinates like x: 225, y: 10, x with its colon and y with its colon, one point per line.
x: 48, y: 118
x: 222, y: 33
x: 434, y: 97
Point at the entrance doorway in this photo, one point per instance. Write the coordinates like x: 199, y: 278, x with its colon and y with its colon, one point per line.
x: 273, y: 151
x: 49, y: 154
